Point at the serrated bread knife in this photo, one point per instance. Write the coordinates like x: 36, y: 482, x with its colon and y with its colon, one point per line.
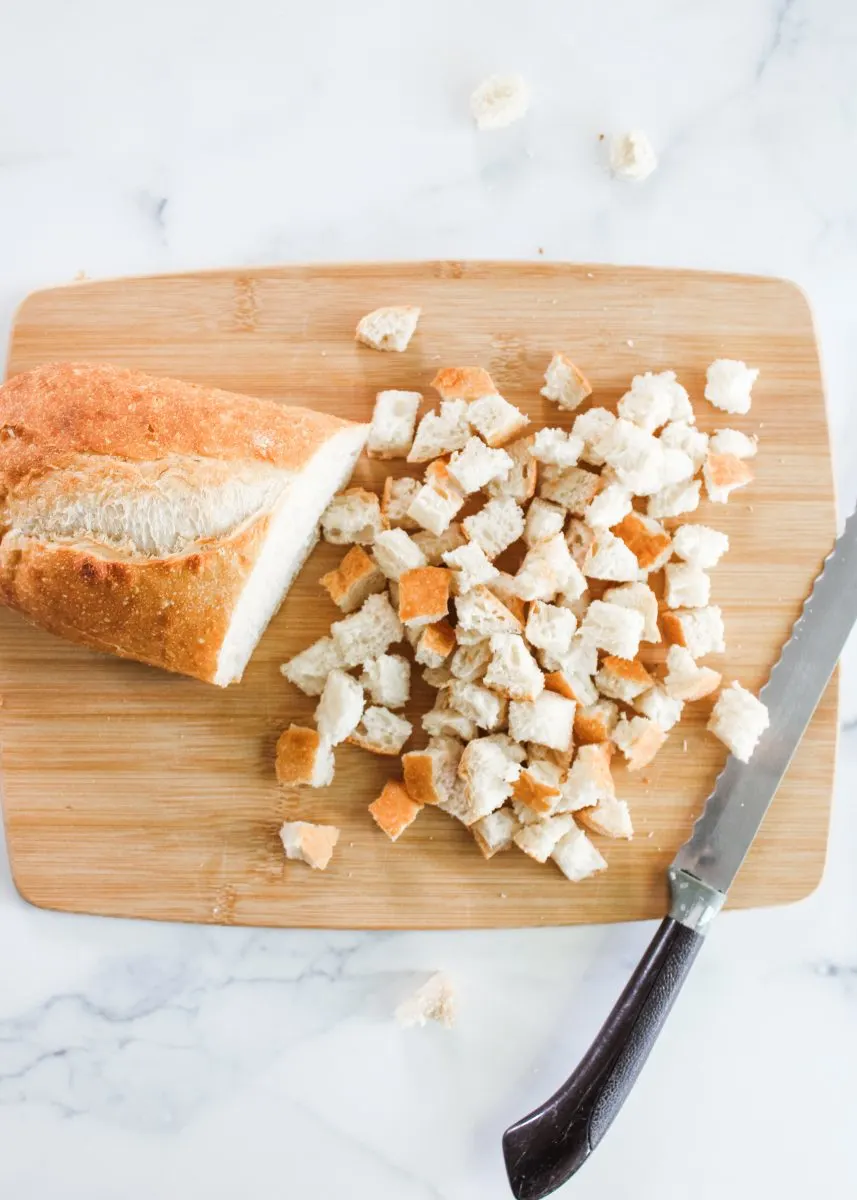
x: 545, y: 1148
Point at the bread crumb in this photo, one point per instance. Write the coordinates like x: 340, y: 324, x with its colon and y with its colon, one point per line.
x: 502, y: 895
x: 434, y: 1001
x: 629, y: 342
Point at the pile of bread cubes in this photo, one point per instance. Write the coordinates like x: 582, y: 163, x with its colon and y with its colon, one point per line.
x: 538, y: 683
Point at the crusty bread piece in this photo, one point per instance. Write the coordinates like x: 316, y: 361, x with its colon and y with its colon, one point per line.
x: 520, y: 484
x: 565, y: 383
x: 499, y: 100
x: 557, y: 448
x: 471, y: 662
x: 394, y: 810
x: 700, y: 545
x: 435, y: 644
x: 581, y: 658
x: 430, y: 774
x: 440, y: 432
x: 340, y: 707
x: 622, y: 679
x: 684, y: 436
x: 488, y: 775
x: 611, y: 818
x: 435, y: 545
x: 579, y: 538
x: 576, y: 856
x: 739, y: 719
x: 548, y: 568
x: 595, y: 722
x: 424, y: 595
x: 445, y: 721
x: 513, y: 750
x: 157, y: 519
x: 576, y: 687
x: 610, y: 558
x: 308, y: 843
x: 640, y: 597
x: 367, y: 633
x: 539, y: 839
x: 395, y: 552
x: 728, y: 385
x: 613, y: 628
x: 674, y: 500
x: 609, y: 507
x: 544, y: 520
x: 723, y: 473
x: 660, y: 707
x: 513, y: 672
x: 355, y: 579
x: 496, y: 526
x: 733, y: 441
x: 560, y: 759
x: 309, y: 669
x: 700, y: 630
x: 494, y: 833
x: 397, y: 497
x: 539, y: 787
x: 470, y: 567
x: 589, y: 779
x: 550, y: 628
x: 394, y: 419
x: 548, y: 720
x: 463, y: 383
x: 304, y: 758
x: 639, y: 739
x: 686, y: 586
x: 476, y: 464
x: 648, y: 541
x: 496, y: 420
x: 685, y: 680
x: 381, y: 732
x: 574, y: 488
x: 479, y: 704
x: 653, y: 400
x: 503, y: 587
x: 480, y: 614
x: 389, y: 328
x: 637, y: 457
x: 387, y: 680
x: 352, y: 517
x: 434, y: 1001
x: 591, y: 426
x: 438, y: 500
x: 438, y: 677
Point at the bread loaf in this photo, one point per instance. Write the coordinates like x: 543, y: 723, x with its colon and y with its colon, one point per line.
x: 157, y: 519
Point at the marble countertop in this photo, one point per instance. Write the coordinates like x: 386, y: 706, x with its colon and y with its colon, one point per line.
x: 141, y: 1060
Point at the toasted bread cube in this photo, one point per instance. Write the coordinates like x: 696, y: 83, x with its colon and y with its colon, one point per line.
x: 340, y: 707
x: 480, y: 614
x: 434, y: 545
x: 728, y: 385
x: 394, y: 419
x: 699, y: 545
x: 609, y: 507
x: 309, y: 669
x: 352, y: 517
x: 573, y: 488
x: 550, y: 627
x: 734, y: 442
x: 494, y: 832
x: 388, y: 328
x: 395, y: 552
x: 576, y: 856
x: 595, y: 722
x: 589, y: 780
x: 640, y: 597
x: 445, y: 721
x: 723, y: 473
x: 622, y: 679
x: 539, y: 787
x: 394, y: 810
x: 435, y: 644
x: 434, y: 1001
x: 387, y: 679
x: 539, y: 839
x: 496, y: 526
x: 496, y: 420
x: 675, y: 500
x: 654, y: 400
x: 544, y: 520
x: 699, y: 630
x: 685, y: 680
x: 520, y: 484
x: 610, y: 558
x: 739, y: 719
x: 639, y: 740
x: 397, y: 497
x: 611, y: 818
x: 548, y: 720
x: 430, y: 774
x: 470, y: 567
x: 424, y: 595
x: 686, y: 586
x: 367, y: 633
x: 513, y: 672
x: 648, y: 541
x: 632, y: 156
x: 463, y: 383
x: 548, y: 568
x: 312, y: 844
x: 479, y: 704
x: 437, y: 501
x: 557, y: 448
x: 488, y: 774
x: 381, y: 732
x: 591, y: 426
x: 684, y: 436
x: 636, y: 457
x: 440, y: 432
x: 477, y: 464
x: 659, y: 706
x: 304, y: 758
x: 356, y: 578
x: 565, y: 383
x: 613, y: 628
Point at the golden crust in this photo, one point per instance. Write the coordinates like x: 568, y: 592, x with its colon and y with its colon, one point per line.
x: 646, y: 545
x: 356, y: 577
x: 727, y: 471
x: 591, y: 725
x: 536, y: 794
x: 424, y: 594
x: 439, y: 639
x: 297, y: 750
x: 673, y: 629
x: 629, y: 669
x: 394, y: 810
x: 419, y: 771
x: 463, y: 383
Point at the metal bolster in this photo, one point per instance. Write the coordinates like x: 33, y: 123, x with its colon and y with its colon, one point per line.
x: 694, y: 903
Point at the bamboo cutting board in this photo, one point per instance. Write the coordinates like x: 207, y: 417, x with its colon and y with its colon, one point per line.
x: 131, y: 792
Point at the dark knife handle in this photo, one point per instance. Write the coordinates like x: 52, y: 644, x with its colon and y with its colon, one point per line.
x: 547, y: 1147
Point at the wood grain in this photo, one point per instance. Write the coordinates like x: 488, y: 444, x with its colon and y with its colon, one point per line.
x: 135, y: 793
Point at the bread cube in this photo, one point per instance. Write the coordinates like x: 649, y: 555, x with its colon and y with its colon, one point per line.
x: 309, y: 843
x: 394, y: 419
x: 352, y: 517
x: 389, y: 328
x: 548, y: 720
x: 394, y: 810
x: 304, y: 758
x: 729, y: 384
x: 739, y: 719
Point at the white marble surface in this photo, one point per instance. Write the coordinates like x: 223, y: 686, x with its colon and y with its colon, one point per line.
x: 140, y: 1060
